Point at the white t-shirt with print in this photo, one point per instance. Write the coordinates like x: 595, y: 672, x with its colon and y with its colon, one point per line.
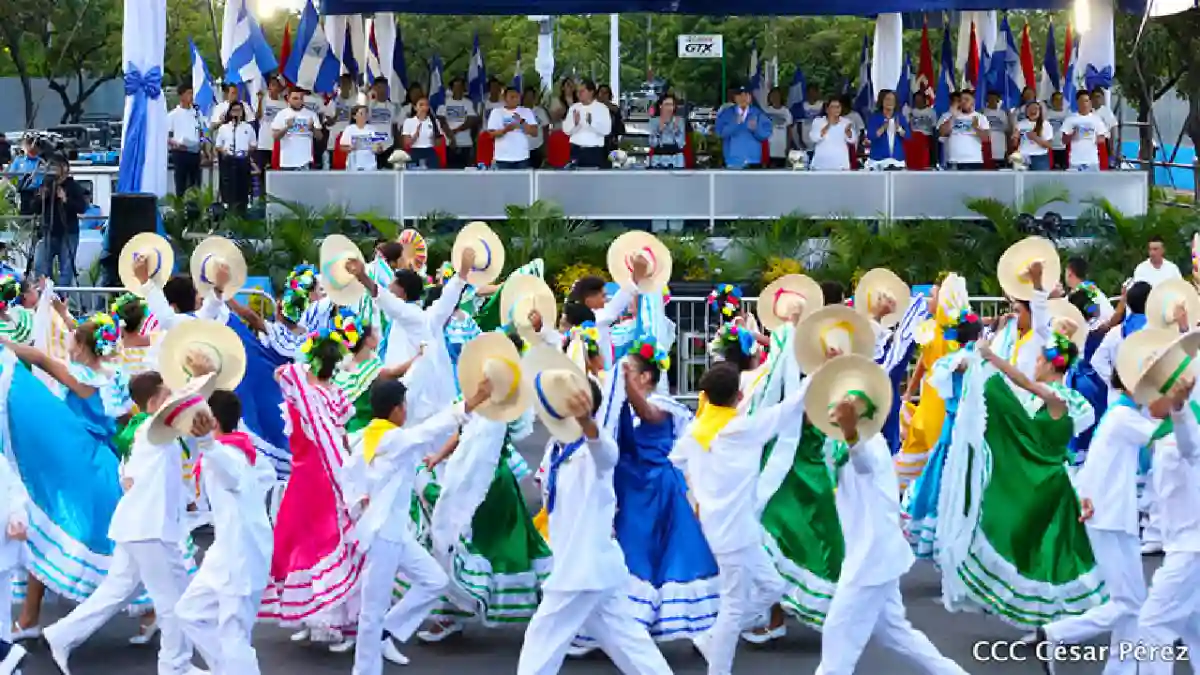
x: 236, y: 139
x: 513, y: 146
x: 923, y: 121
x: 964, y: 146
x: 811, y: 112
x: 360, y: 142
x: 997, y: 119
x: 382, y: 117
x: 1085, y: 132
x: 270, y: 108
x: 420, y: 131
x: 543, y: 120
x: 456, y: 111
x: 781, y: 119
x: 1056, y: 119
x: 296, y: 146
x: 1028, y: 148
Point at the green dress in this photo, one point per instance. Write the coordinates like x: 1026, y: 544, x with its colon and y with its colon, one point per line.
x: 18, y: 326
x: 355, y: 383
x: 1029, y: 560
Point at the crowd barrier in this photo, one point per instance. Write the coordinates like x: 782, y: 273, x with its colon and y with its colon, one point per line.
x: 699, y: 195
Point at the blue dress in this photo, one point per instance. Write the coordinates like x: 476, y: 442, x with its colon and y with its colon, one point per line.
x: 1084, y: 379
x: 921, y: 502
x: 674, y: 586
x: 898, y: 373
x: 262, y: 399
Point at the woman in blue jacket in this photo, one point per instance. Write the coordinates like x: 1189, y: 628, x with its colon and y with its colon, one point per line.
x: 743, y: 128
x: 887, y: 130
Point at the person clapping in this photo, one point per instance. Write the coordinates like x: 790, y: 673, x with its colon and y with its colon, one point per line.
x: 964, y: 130
x: 887, y: 130
x: 742, y: 129
x: 829, y: 137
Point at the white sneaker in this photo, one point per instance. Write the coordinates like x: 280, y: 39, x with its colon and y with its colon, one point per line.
x: 145, y: 634
x: 301, y: 635
x: 579, y: 650
x: 9, y: 665
x: 32, y: 633
x: 763, y: 635
x: 1152, y: 548
x: 345, y: 645
x: 392, y: 654
x: 441, y: 630
x: 60, y: 657
x: 700, y: 642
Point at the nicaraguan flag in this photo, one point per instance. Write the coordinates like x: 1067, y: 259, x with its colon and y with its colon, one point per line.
x: 904, y: 86
x: 518, y: 81
x: 945, y: 85
x: 796, y: 93
x: 203, y: 94
x: 437, y: 91
x: 1071, y: 78
x: 862, y: 101
x: 250, y: 55
x: 477, y: 88
x: 1050, y: 81
x: 312, y: 64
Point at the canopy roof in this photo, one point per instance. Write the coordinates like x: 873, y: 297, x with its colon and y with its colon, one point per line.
x: 700, y: 7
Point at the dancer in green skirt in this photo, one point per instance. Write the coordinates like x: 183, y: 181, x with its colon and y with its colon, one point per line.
x: 355, y: 377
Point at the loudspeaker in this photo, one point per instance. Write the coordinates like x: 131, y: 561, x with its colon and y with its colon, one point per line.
x: 129, y: 214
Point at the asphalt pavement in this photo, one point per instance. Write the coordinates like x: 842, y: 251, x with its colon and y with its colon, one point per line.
x: 969, y: 639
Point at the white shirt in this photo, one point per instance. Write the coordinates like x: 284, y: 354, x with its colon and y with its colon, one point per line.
x: 236, y: 139
x: 997, y: 119
x: 318, y: 105
x: 587, y: 556
x: 811, y: 112
x: 420, y: 131
x: 489, y: 106
x: 411, y: 326
x: 724, y: 478
x: 218, y: 114
x: 239, y: 560
x: 361, y: 141
x: 186, y: 126
x: 1085, y: 132
x: 1106, y: 115
x: 923, y: 121
x: 781, y: 120
x: 964, y: 146
x: 869, y: 510
x: 457, y: 111
x: 1109, y: 474
x: 829, y: 150
x: 543, y: 120
x: 211, y: 308
x: 296, y: 146
x: 1146, y: 271
x: 588, y: 133
x: 1177, y: 482
x: 382, y: 115
x: 341, y: 107
x: 1028, y: 148
x: 1056, y: 119
x: 606, y: 317
x: 152, y: 509
x: 270, y: 108
x: 1039, y: 320
x: 513, y: 146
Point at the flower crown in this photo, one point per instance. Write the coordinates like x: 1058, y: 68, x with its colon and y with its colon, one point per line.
x: 726, y: 301
x: 107, y: 334
x: 1058, y: 351
x: 666, y: 295
x: 587, y: 334
x: 316, y: 339
x: 730, y: 334
x: 1093, y: 295
x: 346, y: 322
x: 647, y: 349
x: 10, y: 291
x: 297, y: 291
x: 445, y: 272
x: 122, y: 304
x: 950, y: 331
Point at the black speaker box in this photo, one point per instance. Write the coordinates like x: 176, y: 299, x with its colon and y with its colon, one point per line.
x: 129, y: 214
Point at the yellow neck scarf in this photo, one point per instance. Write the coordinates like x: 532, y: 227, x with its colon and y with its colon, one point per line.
x: 372, y: 435
x: 710, y: 420
x: 1021, y: 342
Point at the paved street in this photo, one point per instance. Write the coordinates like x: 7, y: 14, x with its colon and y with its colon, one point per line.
x: 485, y: 651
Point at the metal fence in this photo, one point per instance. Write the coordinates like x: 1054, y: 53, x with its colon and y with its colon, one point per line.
x: 87, y: 299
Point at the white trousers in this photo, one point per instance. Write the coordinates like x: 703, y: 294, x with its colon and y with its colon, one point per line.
x: 1119, y: 559
x: 428, y: 580
x: 1152, y: 531
x: 158, y: 565
x: 1172, y: 609
x: 750, y: 585
x: 857, y: 613
x: 603, y: 615
x: 220, y: 625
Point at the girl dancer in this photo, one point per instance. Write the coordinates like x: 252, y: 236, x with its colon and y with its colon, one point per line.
x: 16, y: 322
x: 355, y: 376
x: 930, y: 412
x: 130, y: 311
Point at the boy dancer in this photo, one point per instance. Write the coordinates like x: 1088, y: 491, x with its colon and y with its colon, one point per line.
x: 387, y: 464
x: 218, y: 610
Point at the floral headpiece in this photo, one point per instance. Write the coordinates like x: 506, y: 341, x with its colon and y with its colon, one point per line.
x: 123, y: 303
x: 297, y: 291
x: 647, y: 349
x: 730, y: 334
x: 726, y: 301
x: 1058, y: 351
x: 316, y: 339
x: 10, y: 291
x: 346, y: 322
x: 666, y: 294
x: 1093, y: 295
x: 950, y: 332
x: 587, y: 334
x: 107, y: 334
x: 445, y: 272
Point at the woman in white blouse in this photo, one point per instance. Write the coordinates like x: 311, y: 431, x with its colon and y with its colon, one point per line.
x: 588, y: 123
x: 362, y: 141
x: 236, y: 143
x: 830, y: 135
x: 421, y: 133
x: 1034, y: 137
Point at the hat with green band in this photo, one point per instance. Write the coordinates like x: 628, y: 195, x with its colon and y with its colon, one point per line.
x: 850, y: 377
x: 1151, y: 361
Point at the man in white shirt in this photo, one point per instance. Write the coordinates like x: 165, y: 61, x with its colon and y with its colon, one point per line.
x: 185, y: 140
x: 511, y: 126
x: 998, y: 125
x: 1086, y: 132
x: 270, y: 104
x: 460, y: 117
x: 964, y: 131
x: 1156, y: 268
x: 347, y: 98
x: 296, y: 128
x: 588, y: 123
x: 1056, y: 113
x: 326, y: 113
x: 383, y: 118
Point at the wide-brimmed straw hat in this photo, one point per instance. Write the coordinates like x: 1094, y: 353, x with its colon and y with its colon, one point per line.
x: 342, y: 287
x: 494, y: 356
x: 214, y: 340
x: 1165, y: 297
x: 522, y: 295
x: 489, y: 253
x: 627, y: 247
x: 1012, y: 270
x: 877, y: 286
x: 416, y: 253
x: 1152, y: 360
x: 782, y: 297
x: 849, y: 376
x: 554, y: 379
x: 148, y: 245
x: 836, y: 327
x: 216, y: 251
x: 1066, y: 318
x: 174, y: 419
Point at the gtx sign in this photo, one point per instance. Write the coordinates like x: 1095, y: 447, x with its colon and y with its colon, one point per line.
x: 700, y: 46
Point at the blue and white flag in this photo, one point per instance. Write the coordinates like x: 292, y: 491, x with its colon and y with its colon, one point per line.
x: 758, y: 81
x: 945, y: 85
x: 904, y: 86
x: 477, y: 86
x: 312, y: 64
x: 437, y: 90
x: 385, y: 55
x: 518, y: 81
x: 250, y: 56
x: 863, y: 104
x: 1050, y: 80
x: 983, y: 77
x: 1006, y: 75
x: 796, y: 94
x: 1072, y: 77
x: 904, y: 333
x: 203, y: 94
x: 346, y: 36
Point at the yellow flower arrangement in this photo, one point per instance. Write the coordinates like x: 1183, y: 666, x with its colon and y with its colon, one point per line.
x: 780, y: 267
x: 574, y: 272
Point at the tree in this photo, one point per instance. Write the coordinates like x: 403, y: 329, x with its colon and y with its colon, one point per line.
x: 1157, y: 56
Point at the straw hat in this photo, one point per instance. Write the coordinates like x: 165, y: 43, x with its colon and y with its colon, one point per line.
x: 874, y: 287
x: 495, y: 357
x: 1151, y: 360
x: 212, y: 252
x: 1066, y: 318
x: 1013, y: 268
x: 553, y: 379
x: 835, y: 380
x: 214, y: 340
x: 152, y: 246
x: 341, y: 286
x: 522, y: 295
x: 415, y: 250
x: 621, y: 254
x: 1166, y: 296
x: 489, y: 253
x: 778, y: 299
x: 174, y: 418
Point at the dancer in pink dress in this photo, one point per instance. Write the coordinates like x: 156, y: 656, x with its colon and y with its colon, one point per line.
x: 316, y: 563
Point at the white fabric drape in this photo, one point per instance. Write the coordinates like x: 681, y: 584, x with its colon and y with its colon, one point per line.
x: 335, y: 32
x: 887, y: 57
x: 985, y: 34
x: 143, y: 43
x: 1096, y: 25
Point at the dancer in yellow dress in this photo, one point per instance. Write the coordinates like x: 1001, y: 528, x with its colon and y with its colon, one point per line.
x: 927, y: 416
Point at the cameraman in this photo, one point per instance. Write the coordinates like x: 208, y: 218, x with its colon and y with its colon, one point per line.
x: 30, y: 169
x: 62, y: 200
